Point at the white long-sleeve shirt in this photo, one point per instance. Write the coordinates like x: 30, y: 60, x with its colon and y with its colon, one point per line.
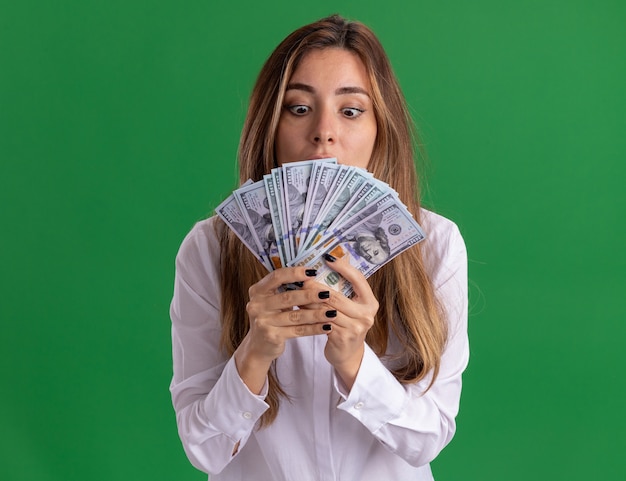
x: 379, y: 430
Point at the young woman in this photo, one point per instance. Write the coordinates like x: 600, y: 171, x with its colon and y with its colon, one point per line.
x: 308, y: 384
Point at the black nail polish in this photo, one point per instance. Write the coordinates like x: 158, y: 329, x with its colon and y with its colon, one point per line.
x: 299, y: 283
x: 329, y: 258
x: 327, y: 327
x: 311, y: 272
x: 332, y: 313
x: 324, y: 295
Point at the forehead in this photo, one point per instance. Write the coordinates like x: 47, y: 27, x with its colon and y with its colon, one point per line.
x: 331, y: 65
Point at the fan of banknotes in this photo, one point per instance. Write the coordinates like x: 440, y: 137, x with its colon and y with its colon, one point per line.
x: 303, y: 210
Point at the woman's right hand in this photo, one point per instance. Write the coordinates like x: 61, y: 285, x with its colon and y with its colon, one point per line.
x: 273, y: 320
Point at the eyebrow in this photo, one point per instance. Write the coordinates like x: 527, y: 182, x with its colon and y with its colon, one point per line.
x: 339, y: 91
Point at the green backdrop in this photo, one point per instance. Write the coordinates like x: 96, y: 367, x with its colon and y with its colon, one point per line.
x: 119, y: 123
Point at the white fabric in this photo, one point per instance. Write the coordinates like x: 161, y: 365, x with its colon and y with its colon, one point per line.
x: 380, y: 430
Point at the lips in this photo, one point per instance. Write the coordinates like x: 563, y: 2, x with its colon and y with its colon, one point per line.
x: 320, y: 156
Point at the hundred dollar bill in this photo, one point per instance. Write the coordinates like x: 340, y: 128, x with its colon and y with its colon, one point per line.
x: 256, y: 211
x: 315, y: 176
x: 277, y: 177
x: 230, y: 212
x: 343, y: 174
x: 353, y: 180
x: 325, y: 238
x: 316, y: 168
x: 314, y: 221
x: 323, y: 177
x: 367, y: 193
x: 369, y: 244
x: 296, y: 177
x: 276, y: 213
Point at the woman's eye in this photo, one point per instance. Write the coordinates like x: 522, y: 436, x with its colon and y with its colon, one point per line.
x: 298, y: 109
x: 352, y: 112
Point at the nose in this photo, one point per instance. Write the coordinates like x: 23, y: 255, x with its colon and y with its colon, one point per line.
x: 324, y: 129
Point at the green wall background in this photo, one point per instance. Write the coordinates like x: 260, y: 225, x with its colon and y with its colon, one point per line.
x: 119, y: 123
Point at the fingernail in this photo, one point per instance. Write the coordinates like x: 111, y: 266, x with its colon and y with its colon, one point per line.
x: 327, y: 327
x: 324, y: 295
x: 311, y: 272
x: 299, y: 283
x: 329, y: 258
x: 332, y: 313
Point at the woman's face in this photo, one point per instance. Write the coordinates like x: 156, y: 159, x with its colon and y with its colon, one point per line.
x: 327, y: 111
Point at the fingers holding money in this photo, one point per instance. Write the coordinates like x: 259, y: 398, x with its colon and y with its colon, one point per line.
x: 274, y: 318
x: 271, y: 306
x: 362, y: 291
x: 270, y: 329
x: 352, y: 318
x: 361, y: 307
x: 272, y: 282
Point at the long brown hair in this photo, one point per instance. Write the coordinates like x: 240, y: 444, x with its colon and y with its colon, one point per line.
x: 408, y: 305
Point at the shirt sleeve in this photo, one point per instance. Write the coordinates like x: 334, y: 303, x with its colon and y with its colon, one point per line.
x: 414, y: 423
x: 215, y: 411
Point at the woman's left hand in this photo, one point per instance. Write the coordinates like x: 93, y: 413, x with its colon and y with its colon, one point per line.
x: 355, y: 316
